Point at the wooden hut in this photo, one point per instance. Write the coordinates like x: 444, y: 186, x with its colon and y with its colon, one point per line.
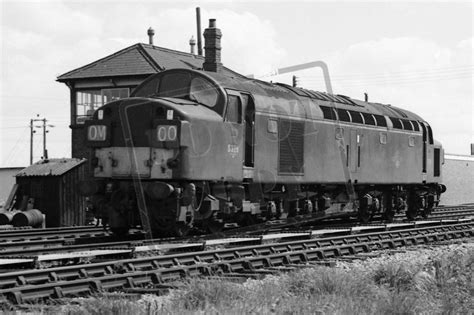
x: 51, y: 187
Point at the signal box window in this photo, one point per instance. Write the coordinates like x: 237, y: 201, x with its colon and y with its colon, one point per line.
x: 86, y: 103
x: 109, y: 95
x: 234, y: 110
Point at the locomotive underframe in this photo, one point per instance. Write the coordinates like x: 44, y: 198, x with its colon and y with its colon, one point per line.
x: 172, y: 208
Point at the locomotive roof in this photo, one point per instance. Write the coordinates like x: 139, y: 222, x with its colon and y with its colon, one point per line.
x: 279, y: 91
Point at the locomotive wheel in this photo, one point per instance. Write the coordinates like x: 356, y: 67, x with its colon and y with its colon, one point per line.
x: 119, y: 231
x: 213, y: 226
x: 364, y: 215
x: 181, y: 229
x: 389, y: 215
x: 411, y: 213
x: 164, y: 226
x: 245, y: 219
x: 426, y: 212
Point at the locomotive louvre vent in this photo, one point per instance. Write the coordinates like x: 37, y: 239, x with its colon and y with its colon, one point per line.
x: 291, y: 146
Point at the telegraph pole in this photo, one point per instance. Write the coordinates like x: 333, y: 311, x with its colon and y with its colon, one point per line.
x: 32, y: 132
x: 31, y: 141
x: 45, y: 154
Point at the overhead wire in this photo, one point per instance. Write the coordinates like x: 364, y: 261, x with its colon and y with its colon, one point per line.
x: 14, y: 149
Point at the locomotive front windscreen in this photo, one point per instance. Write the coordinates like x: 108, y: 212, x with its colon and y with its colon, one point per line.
x: 182, y: 84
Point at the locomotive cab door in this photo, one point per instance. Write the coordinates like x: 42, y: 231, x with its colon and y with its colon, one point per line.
x: 249, y: 118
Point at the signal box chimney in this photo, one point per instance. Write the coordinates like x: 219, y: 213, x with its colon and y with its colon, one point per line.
x: 151, y: 33
x: 212, y: 46
x: 192, y: 43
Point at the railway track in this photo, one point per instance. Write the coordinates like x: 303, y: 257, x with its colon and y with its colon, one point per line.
x: 162, y: 270
x: 35, y: 248
x: 27, y: 235
x: 42, y: 241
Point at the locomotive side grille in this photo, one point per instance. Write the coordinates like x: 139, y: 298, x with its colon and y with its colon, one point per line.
x: 291, y: 146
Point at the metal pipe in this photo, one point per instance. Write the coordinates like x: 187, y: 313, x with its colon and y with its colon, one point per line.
x: 199, y: 33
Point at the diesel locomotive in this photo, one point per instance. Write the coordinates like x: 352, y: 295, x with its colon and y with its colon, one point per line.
x: 197, y: 148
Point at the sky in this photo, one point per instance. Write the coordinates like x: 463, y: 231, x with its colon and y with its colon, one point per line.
x: 416, y: 55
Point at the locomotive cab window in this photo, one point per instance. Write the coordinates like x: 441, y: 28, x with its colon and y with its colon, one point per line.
x: 175, y: 85
x: 234, y: 109
x: 185, y: 85
x: 203, y: 92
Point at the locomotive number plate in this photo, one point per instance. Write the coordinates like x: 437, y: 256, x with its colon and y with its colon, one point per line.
x: 97, y: 133
x: 165, y: 134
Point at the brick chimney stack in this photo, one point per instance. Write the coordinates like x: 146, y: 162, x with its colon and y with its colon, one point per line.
x: 212, y: 46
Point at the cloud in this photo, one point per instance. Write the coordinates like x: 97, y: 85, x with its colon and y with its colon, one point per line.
x: 416, y: 74
x: 41, y: 40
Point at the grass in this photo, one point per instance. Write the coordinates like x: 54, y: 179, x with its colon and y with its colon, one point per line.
x: 440, y: 284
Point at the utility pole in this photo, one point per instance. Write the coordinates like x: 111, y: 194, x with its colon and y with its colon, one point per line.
x: 32, y: 132
x: 45, y: 153
x: 31, y: 141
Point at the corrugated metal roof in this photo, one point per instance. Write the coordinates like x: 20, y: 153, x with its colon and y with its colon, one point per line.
x: 138, y: 59
x: 52, y: 167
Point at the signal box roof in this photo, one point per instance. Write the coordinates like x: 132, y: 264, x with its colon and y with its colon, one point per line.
x: 138, y: 59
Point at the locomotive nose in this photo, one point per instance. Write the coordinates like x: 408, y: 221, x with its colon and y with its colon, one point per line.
x: 136, y: 136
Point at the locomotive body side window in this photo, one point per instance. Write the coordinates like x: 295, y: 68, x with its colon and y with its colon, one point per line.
x: 369, y: 119
x: 328, y: 113
x: 396, y: 123
x: 380, y: 120
x: 234, y: 109
x: 356, y: 117
x: 430, y: 134
x: 406, y: 124
x: 343, y: 114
